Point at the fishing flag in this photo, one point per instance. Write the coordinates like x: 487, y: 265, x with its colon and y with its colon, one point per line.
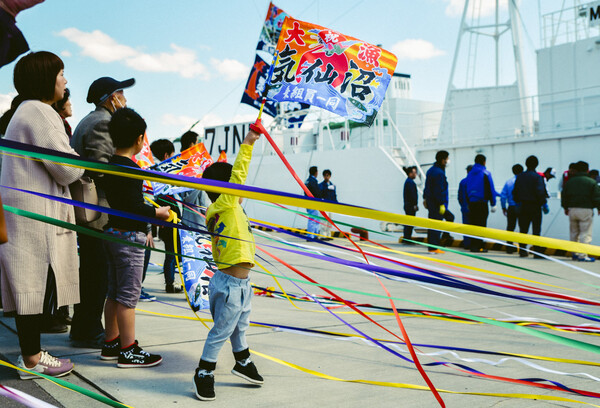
x: 144, y: 159
x: 267, y: 42
x: 297, y: 119
x: 222, y: 157
x: 256, y: 85
x: 196, y: 272
x: 269, y: 35
x: 191, y: 163
x: 324, y: 68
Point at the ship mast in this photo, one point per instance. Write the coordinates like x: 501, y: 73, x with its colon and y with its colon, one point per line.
x: 481, y: 100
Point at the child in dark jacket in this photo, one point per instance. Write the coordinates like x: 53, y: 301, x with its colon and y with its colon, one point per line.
x: 126, y: 262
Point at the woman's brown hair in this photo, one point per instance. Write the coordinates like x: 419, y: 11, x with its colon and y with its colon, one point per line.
x: 35, y: 75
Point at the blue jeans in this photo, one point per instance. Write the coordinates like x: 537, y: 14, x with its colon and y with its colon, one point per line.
x: 313, y: 226
x: 229, y: 299
x: 170, y: 264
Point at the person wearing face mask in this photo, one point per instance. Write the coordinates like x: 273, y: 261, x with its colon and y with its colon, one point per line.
x: 92, y: 140
x: 65, y: 110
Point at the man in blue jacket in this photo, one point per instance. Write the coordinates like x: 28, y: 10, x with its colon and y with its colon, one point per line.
x: 506, y: 198
x: 411, y: 199
x: 530, y: 195
x: 464, y: 205
x: 328, y: 192
x: 313, y: 186
x: 480, y: 190
x: 435, y: 196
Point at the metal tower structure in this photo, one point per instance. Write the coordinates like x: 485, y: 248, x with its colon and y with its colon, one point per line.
x: 495, y: 110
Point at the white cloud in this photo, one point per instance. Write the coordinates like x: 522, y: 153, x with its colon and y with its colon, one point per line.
x: 415, y: 49
x: 183, y: 122
x: 231, y: 69
x: 5, y: 100
x: 483, y: 8
x: 98, y: 45
x: 66, y: 53
x: 104, y: 48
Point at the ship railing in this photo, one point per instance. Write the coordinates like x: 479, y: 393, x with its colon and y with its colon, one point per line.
x: 568, y: 25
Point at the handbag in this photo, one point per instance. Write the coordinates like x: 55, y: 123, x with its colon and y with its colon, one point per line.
x: 84, y: 190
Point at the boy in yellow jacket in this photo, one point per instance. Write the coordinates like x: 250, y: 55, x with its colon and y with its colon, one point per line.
x: 229, y: 289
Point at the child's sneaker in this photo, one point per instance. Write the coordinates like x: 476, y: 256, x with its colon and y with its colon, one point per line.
x: 135, y: 356
x: 205, y: 385
x: 248, y: 372
x: 48, y: 365
x: 111, y: 349
x: 146, y: 297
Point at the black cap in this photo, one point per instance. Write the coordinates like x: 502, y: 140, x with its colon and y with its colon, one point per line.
x: 104, y: 87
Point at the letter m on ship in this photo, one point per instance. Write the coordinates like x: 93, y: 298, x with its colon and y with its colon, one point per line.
x: 594, y: 14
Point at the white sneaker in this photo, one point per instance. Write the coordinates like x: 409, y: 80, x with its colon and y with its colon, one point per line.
x: 48, y: 365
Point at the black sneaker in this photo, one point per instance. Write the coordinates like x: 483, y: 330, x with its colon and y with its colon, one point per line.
x: 205, y: 386
x: 247, y: 372
x: 52, y: 324
x: 135, y: 356
x: 170, y: 288
x: 111, y: 350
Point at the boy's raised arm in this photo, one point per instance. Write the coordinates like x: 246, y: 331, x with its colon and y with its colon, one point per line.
x: 239, y: 172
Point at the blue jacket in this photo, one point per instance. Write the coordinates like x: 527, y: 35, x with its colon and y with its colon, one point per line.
x: 462, y: 196
x: 529, y: 189
x: 506, y: 196
x: 411, y: 197
x: 313, y: 186
x: 436, y: 187
x: 480, y: 186
x: 328, y: 191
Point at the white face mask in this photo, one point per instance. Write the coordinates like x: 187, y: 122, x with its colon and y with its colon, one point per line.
x: 119, y: 102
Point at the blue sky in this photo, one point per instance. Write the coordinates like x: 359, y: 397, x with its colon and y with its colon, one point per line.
x: 191, y: 58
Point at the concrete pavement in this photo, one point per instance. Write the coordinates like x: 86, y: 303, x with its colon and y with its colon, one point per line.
x: 179, y: 339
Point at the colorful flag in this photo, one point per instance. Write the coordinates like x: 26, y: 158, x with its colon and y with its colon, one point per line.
x: 297, y: 119
x: 196, y: 272
x: 269, y: 35
x: 256, y: 85
x: 191, y: 163
x: 222, y: 157
x: 144, y: 159
x: 327, y: 69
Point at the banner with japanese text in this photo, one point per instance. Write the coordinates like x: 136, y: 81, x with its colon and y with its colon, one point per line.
x: 144, y: 159
x: 196, y: 272
x: 269, y: 34
x: 256, y: 85
x: 324, y: 68
x: 191, y: 163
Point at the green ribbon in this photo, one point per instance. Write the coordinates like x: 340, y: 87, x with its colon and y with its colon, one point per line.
x: 526, y: 330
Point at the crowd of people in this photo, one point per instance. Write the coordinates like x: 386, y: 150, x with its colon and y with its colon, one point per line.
x: 523, y: 198
x: 41, y: 269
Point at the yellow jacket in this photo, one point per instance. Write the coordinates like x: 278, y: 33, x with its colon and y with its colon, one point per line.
x: 227, y: 218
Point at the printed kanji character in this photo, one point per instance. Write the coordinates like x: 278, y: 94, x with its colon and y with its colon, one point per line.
x: 329, y: 76
x: 360, y: 91
x: 283, y: 69
x: 369, y: 53
x: 295, y: 34
x: 309, y: 95
x: 310, y: 71
x: 333, y: 102
x: 297, y: 93
x: 366, y: 76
